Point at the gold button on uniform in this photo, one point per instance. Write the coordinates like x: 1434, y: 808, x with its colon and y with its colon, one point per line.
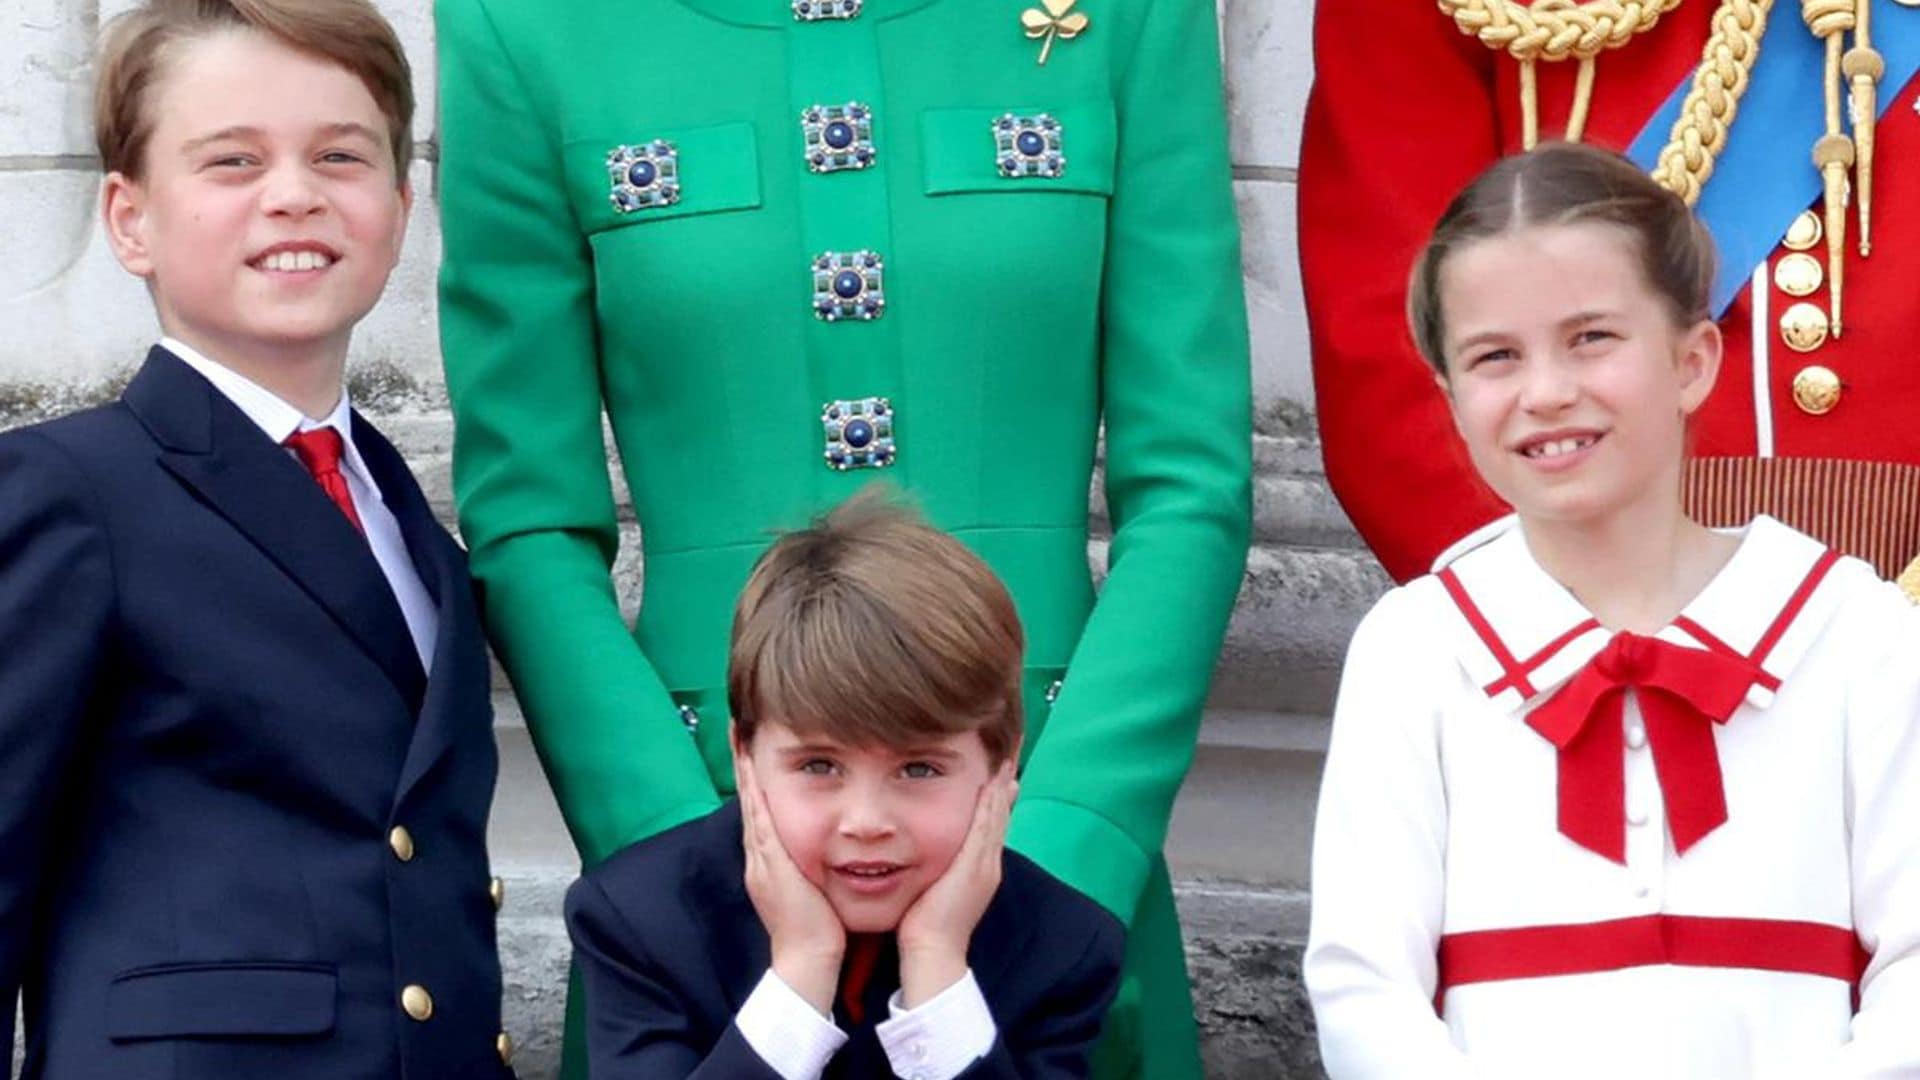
x: 498, y: 891
x: 1816, y: 390
x: 504, y: 1044
x: 1799, y: 274
x: 401, y: 841
x: 1805, y: 233
x: 417, y: 1002
x: 1804, y: 327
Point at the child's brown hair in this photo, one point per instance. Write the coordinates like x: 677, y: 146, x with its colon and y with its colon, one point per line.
x: 1567, y: 184
x: 873, y: 628
x: 139, y: 44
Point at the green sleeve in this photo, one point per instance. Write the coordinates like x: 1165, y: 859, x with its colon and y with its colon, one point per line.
x: 530, y: 463
x: 1099, y: 787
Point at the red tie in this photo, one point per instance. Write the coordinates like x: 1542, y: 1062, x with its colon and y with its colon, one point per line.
x: 863, y: 953
x: 319, y: 450
x: 1683, y: 693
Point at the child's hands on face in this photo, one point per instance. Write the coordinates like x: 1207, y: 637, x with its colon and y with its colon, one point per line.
x: 808, y: 941
x: 936, y: 929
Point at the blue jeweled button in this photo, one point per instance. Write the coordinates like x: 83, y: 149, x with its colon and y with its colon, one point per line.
x: 644, y: 176
x: 848, y: 285
x: 836, y: 137
x: 859, y: 434
x: 815, y: 10
x: 1028, y: 147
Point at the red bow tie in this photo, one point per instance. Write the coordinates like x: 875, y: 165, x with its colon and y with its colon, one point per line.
x: 1683, y: 692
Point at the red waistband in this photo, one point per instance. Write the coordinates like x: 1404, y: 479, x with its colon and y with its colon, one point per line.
x: 1806, y: 948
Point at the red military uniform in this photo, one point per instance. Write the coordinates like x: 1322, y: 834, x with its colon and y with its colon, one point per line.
x: 1406, y: 109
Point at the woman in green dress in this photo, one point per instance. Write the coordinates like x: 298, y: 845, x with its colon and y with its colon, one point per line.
x: 789, y: 247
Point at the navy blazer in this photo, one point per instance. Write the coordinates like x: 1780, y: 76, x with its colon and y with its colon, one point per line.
x: 670, y: 946
x: 211, y: 719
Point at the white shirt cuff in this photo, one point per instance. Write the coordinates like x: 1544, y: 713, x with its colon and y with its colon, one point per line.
x: 786, y: 1031
x: 941, y: 1038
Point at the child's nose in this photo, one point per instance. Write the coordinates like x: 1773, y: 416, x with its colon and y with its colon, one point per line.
x: 291, y: 190
x: 866, y: 816
x: 1549, y: 384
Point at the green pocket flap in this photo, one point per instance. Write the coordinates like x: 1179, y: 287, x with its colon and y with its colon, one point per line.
x: 962, y: 155
x: 717, y: 169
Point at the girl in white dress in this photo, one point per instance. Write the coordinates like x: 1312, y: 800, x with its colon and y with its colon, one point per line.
x: 1611, y: 794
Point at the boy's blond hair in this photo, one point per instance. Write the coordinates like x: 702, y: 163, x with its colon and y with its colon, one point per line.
x: 139, y: 44
x: 873, y: 628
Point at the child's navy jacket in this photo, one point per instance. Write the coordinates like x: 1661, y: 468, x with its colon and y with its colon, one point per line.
x: 244, y: 829
x: 670, y: 947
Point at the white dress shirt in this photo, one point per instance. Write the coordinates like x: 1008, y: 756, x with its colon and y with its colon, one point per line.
x: 279, y: 420
x: 1439, y: 867
x: 936, y: 1041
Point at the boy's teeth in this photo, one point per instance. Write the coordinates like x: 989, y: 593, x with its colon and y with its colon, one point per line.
x: 290, y: 261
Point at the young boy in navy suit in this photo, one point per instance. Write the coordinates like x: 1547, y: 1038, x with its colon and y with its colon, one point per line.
x: 244, y: 722
x: 854, y: 913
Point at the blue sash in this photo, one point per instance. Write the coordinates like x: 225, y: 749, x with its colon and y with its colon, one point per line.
x: 1764, y: 175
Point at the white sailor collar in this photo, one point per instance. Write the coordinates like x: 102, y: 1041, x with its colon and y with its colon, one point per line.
x: 1520, y: 634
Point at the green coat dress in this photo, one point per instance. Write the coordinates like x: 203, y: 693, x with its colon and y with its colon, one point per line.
x: 789, y: 256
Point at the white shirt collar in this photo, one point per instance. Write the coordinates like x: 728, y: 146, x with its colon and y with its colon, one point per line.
x: 272, y: 413
x: 1551, y: 635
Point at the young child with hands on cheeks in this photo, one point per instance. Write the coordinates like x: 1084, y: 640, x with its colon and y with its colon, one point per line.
x: 1610, y: 793
x: 854, y: 913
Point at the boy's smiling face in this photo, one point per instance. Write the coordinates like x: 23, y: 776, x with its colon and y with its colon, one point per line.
x: 871, y: 827
x: 269, y: 213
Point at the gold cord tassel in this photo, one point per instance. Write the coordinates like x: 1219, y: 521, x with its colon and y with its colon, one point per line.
x: 1529, y: 106
x: 1833, y: 152
x: 1863, y: 68
x: 1554, y: 30
x: 1582, y: 100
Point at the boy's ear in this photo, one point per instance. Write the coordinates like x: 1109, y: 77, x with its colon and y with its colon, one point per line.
x: 406, y: 215
x: 123, y: 213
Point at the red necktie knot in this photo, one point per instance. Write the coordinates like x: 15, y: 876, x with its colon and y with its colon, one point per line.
x: 320, y: 451
x: 1626, y: 659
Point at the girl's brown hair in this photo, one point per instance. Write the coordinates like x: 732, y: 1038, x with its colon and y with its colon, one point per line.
x: 873, y: 628
x: 138, y: 45
x: 1567, y: 184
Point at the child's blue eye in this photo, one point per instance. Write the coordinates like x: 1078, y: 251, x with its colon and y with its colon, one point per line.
x: 341, y: 157
x: 1496, y: 354
x: 817, y: 767
x: 1588, y: 337
x: 920, y: 770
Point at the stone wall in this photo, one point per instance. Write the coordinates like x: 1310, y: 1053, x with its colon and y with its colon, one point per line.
x: 77, y: 324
